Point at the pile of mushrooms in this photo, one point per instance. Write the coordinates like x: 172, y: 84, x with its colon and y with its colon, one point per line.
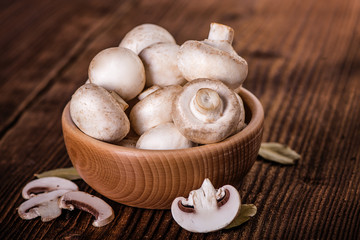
x: 189, y: 97
x: 46, y: 197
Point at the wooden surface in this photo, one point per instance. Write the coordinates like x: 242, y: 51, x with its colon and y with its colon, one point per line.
x: 304, y: 62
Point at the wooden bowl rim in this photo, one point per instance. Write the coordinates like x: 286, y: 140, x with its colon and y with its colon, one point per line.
x: 257, y: 118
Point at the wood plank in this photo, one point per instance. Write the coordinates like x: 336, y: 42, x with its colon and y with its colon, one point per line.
x: 303, y: 65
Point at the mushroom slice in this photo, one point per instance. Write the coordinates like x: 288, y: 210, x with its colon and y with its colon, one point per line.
x: 102, y: 211
x: 145, y: 35
x: 213, y: 58
x: 154, y: 109
x: 206, y: 209
x: 44, y: 205
x: 163, y: 137
x: 47, y: 184
x: 206, y: 111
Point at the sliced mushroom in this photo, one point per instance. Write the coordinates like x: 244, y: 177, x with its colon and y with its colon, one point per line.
x: 160, y: 62
x: 102, y: 211
x: 206, y: 209
x: 154, y: 109
x: 145, y: 35
x: 99, y: 113
x: 44, y: 205
x: 118, y: 69
x: 163, y: 137
x: 213, y: 58
x: 206, y: 111
x: 47, y: 184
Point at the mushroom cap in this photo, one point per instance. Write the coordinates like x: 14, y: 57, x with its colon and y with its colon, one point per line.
x: 154, y: 109
x: 145, y: 35
x: 102, y: 211
x: 201, y: 131
x: 160, y: 62
x: 118, y: 69
x: 98, y: 114
x: 163, y: 137
x: 205, y: 60
x: 203, y: 211
x: 241, y: 124
x: 44, y: 205
x: 47, y: 184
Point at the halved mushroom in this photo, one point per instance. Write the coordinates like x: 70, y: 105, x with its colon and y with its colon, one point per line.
x: 99, y: 113
x: 47, y: 184
x: 118, y: 69
x: 160, y: 62
x: 102, y: 211
x: 213, y: 58
x: 44, y: 205
x: 206, y: 209
x: 154, y: 109
x: 145, y: 35
x: 206, y: 111
x: 163, y: 137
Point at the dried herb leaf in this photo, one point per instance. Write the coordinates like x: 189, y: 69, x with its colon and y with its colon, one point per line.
x: 68, y: 173
x: 278, y: 152
x: 246, y: 212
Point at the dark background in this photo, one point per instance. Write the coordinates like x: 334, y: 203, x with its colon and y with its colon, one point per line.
x: 304, y: 66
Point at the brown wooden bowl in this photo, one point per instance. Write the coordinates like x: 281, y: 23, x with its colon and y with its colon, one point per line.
x: 154, y: 178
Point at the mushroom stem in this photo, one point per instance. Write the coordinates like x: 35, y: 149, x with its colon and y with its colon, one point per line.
x: 220, y: 32
x: 206, y: 105
x: 123, y: 105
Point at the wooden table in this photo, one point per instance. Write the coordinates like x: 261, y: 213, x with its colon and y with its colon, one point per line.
x: 304, y: 66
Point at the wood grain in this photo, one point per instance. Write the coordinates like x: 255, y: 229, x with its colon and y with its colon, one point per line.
x: 304, y: 62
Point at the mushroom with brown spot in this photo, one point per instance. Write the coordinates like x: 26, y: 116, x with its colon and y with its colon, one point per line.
x: 206, y: 111
x: 213, y: 58
x: 160, y: 62
x: 145, y: 35
x: 118, y: 69
x: 44, y: 205
x: 47, y: 184
x: 207, y: 209
x: 163, y: 137
x: 99, y: 113
x: 154, y: 109
x: 102, y: 211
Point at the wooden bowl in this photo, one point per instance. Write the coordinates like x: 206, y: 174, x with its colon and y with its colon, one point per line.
x: 154, y: 178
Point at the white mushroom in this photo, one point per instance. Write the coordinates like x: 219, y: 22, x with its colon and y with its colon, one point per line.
x: 206, y: 111
x: 118, y: 69
x: 160, y: 62
x: 99, y: 113
x: 47, y: 184
x: 154, y: 109
x: 241, y: 124
x: 213, y: 58
x: 206, y: 209
x: 44, y: 205
x: 128, y: 142
x: 102, y: 211
x: 145, y: 35
x: 163, y: 137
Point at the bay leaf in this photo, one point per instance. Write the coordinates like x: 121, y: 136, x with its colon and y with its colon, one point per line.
x: 68, y: 173
x: 279, y: 153
x: 246, y: 212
